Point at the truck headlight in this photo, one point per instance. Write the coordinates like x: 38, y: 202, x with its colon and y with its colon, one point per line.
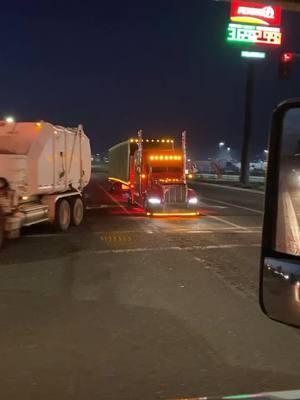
x: 154, y: 200
x: 193, y: 200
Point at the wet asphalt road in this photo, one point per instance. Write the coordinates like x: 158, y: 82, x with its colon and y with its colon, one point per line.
x: 128, y: 307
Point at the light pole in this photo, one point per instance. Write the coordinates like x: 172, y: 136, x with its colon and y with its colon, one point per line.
x: 266, y: 154
x: 244, y: 177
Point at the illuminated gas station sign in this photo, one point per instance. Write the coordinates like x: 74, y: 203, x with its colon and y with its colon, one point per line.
x: 253, y: 54
x: 254, y: 23
x: 254, y: 34
x: 254, y: 13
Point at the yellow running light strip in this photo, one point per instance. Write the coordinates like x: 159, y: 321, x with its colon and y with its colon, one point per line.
x: 165, y: 157
x: 110, y: 178
x: 175, y: 214
x: 134, y: 140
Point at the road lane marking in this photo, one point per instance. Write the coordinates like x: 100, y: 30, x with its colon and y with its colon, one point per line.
x: 215, y: 271
x: 172, y: 248
x: 199, y: 259
x: 183, y: 231
x: 224, y: 221
x: 205, y: 205
x: 287, y: 235
x: 213, y: 229
x: 228, y: 187
x: 228, y: 246
x: 227, y: 231
x: 247, y: 231
x: 205, y: 231
x: 115, y: 238
x: 234, y: 205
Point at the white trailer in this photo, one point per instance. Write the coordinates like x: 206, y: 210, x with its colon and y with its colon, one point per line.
x: 43, y: 170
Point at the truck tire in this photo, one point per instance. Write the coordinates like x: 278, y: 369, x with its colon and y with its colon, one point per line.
x: 63, y: 215
x: 77, y: 211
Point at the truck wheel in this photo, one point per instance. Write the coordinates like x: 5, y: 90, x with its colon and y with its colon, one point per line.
x: 77, y: 211
x: 63, y: 215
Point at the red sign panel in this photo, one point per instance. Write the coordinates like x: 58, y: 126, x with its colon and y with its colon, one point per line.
x: 255, y: 13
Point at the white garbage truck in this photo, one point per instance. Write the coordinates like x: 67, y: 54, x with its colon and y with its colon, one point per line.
x: 43, y: 171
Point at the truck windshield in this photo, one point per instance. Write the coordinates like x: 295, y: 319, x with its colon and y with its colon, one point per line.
x: 157, y: 170
x: 174, y: 169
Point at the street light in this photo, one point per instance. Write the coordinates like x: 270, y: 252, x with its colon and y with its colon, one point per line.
x: 9, y: 119
x: 221, y: 144
x: 228, y: 149
x: 266, y: 154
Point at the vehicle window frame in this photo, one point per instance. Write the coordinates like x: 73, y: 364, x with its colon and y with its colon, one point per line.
x: 271, y: 194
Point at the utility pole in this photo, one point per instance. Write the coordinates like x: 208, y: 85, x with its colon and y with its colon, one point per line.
x: 140, y: 149
x: 183, y: 138
x: 245, y: 170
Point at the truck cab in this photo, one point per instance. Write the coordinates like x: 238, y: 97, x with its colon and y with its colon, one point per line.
x: 164, y: 184
x: 153, y: 170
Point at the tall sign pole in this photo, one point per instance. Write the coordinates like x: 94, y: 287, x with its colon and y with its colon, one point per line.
x: 253, y: 25
x: 183, y: 138
x: 245, y: 171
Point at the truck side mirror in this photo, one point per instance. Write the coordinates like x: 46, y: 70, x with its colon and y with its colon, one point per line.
x: 280, y: 259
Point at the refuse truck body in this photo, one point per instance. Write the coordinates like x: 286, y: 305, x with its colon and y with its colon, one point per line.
x: 43, y: 171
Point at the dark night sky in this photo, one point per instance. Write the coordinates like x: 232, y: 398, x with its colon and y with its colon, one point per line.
x: 119, y: 66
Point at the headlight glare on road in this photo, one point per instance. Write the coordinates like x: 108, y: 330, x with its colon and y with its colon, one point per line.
x: 193, y: 200
x: 154, y: 200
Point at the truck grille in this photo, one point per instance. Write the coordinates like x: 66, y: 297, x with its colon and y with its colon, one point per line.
x: 175, y: 194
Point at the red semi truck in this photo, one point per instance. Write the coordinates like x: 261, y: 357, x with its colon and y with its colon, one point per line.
x: 153, y: 173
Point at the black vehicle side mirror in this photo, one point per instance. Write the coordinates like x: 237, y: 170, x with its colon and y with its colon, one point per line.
x: 280, y: 259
